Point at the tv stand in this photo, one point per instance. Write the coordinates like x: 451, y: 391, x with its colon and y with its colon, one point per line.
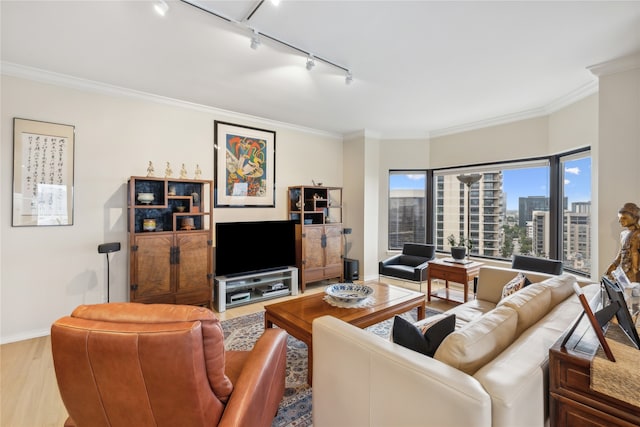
x: 249, y: 288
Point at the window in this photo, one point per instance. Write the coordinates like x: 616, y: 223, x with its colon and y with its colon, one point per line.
x: 539, y: 207
x: 576, y: 214
x: 407, y: 207
x: 499, y: 210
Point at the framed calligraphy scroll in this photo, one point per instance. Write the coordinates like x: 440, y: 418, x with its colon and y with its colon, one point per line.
x: 245, y: 160
x: 42, y: 173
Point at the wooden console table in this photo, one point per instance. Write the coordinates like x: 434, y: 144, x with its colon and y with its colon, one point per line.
x: 451, y: 271
x: 572, y: 401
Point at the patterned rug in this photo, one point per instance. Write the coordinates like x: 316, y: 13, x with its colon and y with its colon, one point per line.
x: 295, y: 409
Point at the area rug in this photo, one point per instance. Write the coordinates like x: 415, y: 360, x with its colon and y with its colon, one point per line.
x: 295, y: 409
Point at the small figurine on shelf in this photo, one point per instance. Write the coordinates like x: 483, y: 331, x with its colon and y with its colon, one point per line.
x: 198, y: 172
x: 150, y: 169
x: 196, y: 202
x: 168, y: 171
x: 183, y: 172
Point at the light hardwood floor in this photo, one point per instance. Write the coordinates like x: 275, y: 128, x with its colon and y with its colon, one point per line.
x: 28, y: 390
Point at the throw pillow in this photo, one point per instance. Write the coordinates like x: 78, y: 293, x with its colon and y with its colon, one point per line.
x: 514, y: 285
x: 427, y: 337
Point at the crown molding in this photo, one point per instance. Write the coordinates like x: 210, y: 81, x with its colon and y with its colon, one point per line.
x: 65, y: 80
x: 558, y: 104
x: 49, y: 77
x: 618, y: 65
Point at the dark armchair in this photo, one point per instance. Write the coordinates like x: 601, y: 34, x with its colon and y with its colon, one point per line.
x: 411, y: 264
x: 540, y: 265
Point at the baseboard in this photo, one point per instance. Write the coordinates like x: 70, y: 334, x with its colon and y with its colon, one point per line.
x: 25, y: 336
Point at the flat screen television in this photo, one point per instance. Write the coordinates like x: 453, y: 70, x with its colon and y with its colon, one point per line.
x: 251, y: 247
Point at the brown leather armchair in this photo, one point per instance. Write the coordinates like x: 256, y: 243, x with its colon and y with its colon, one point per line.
x: 128, y: 364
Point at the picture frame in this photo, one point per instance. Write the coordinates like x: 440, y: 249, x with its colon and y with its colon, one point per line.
x: 43, y: 173
x: 244, y: 163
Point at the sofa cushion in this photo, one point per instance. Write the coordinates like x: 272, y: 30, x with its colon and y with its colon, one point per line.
x: 531, y: 303
x: 514, y: 285
x: 561, y: 287
x: 475, y: 344
x: 424, y: 337
x: 470, y: 311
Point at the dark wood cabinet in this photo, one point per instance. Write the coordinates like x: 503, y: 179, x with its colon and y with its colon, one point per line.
x: 170, y: 236
x: 319, y: 239
x: 572, y: 401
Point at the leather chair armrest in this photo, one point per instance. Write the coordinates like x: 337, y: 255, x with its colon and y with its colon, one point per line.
x: 391, y: 261
x: 259, y: 389
x: 422, y: 266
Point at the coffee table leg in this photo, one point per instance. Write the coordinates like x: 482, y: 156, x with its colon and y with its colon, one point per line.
x: 267, y: 322
x: 429, y: 288
x: 466, y: 290
x: 422, y: 312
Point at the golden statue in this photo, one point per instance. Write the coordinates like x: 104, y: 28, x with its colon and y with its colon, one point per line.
x: 168, y: 171
x: 628, y: 257
x: 183, y: 172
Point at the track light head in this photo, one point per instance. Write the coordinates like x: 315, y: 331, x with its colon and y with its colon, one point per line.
x: 311, y: 62
x: 348, y: 78
x: 161, y: 7
x: 255, y: 40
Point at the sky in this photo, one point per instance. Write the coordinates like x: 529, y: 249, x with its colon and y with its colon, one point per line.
x: 525, y: 182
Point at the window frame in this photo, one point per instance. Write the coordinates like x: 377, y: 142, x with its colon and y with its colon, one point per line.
x: 556, y: 192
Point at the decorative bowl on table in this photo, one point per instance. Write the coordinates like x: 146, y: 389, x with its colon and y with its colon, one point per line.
x: 348, y: 292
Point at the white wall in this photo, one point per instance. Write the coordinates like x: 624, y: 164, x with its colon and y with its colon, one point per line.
x: 48, y: 271
x: 516, y: 140
x: 618, y: 160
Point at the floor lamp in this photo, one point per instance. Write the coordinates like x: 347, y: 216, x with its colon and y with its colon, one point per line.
x: 107, y: 248
x: 469, y: 180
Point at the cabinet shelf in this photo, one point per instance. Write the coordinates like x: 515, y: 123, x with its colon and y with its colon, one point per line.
x: 250, y: 288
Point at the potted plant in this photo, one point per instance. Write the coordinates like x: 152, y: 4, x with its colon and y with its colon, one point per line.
x: 458, y: 249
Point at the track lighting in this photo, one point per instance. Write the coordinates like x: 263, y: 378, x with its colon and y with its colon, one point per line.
x: 161, y: 7
x: 255, y: 40
x: 257, y: 37
x: 311, y: 62
x: 349, y: 78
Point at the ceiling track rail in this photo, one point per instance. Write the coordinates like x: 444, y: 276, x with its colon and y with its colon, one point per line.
x: 245, y: 24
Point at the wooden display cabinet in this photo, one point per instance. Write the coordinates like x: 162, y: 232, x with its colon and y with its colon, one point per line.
x: 170, y: 241
x: 318, y: 213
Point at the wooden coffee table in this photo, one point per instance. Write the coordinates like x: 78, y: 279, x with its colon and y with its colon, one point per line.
x: 296, y: 316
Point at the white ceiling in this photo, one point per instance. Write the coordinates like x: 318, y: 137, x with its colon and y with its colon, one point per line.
x: 419, y: 66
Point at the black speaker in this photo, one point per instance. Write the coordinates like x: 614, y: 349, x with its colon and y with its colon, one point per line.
x: 351, y: 270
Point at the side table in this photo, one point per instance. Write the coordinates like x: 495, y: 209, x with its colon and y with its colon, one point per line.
x: 572, y: 401
x: 451, y: 271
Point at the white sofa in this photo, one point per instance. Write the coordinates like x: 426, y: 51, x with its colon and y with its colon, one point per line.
x: 491, y: 371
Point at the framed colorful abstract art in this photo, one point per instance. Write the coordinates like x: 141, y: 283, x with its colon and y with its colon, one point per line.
x: 244, y: 160
x: 42, y: 173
